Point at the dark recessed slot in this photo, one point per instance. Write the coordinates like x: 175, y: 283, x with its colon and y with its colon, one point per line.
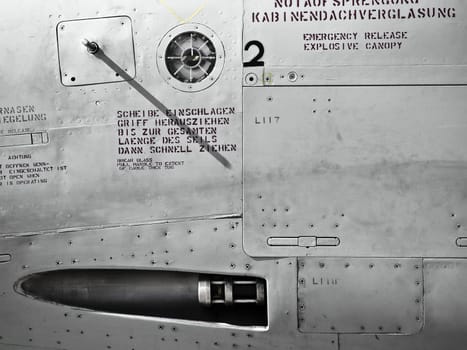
x: 217, y: 292
x: 245, y: 291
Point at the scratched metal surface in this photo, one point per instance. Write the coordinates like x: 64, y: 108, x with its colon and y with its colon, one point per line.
x: 383, y: 169
x: 433, y: 52
x: 82, y: 121
x: 20, y: 347
x: 445, y: 310
x: 176, y: 246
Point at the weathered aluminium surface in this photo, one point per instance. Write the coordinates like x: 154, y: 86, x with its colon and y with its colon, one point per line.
x: 196, y: 174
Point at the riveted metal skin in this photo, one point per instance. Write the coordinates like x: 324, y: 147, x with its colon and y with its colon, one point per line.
x: 323, y: 155
x: 169, y: 247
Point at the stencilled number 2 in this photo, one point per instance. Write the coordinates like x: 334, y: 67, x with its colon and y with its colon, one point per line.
x: 255, y: 62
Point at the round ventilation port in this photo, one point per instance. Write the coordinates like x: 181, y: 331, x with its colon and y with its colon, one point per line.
x: 190, y: 57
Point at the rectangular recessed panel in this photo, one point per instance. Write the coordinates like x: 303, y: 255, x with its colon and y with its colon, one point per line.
x: 27, y: 139
x: 360, y: 295
x: 382, y: 170
x: 357, y: 42
x: 4, y: 258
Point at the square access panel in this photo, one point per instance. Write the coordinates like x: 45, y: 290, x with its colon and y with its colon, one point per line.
x: 114, y: 35
x: 355, y: 171
x: 360, y: 295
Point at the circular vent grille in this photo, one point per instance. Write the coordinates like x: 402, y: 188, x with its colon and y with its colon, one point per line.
x: 190, y: 57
